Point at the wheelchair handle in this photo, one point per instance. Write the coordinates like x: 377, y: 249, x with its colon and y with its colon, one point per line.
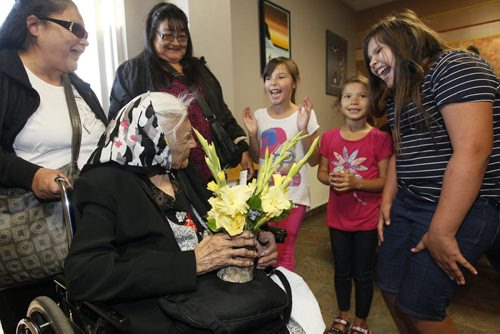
x: 66, y: 206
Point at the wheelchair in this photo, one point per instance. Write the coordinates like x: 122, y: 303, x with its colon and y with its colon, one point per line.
x: 66, y: 316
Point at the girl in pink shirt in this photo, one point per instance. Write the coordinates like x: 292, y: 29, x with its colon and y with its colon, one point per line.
x: 353, y: 164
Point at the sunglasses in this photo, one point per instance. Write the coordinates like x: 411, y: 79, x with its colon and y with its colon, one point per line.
x: 74, y: 27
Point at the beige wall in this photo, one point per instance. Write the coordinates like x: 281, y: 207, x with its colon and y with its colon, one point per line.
x: 226, y: 33
x: 135, y: 19
x: 211, y: 31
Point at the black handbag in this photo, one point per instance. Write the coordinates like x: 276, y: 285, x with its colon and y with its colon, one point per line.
x: 259, y: 306
x: 228, y: 152
x: 33, y: 239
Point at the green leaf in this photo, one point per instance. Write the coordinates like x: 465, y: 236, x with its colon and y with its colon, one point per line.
x: 211, y: 225
x: 255, y: 203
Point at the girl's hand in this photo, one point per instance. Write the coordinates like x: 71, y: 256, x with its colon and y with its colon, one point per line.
x: 247, y: 163
x: 343, y: 181
x: 304, y: 112
x: 249, y: 121
x: 44, y: 185
x: 384, y: 218
x: 388, y: 196
x: 444, y: 249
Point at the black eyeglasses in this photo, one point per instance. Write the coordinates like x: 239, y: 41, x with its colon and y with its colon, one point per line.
x: 74, y: 27
x: 169, y: 37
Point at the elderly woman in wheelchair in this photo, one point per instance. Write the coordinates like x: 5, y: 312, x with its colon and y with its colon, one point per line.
x: 139, y: 232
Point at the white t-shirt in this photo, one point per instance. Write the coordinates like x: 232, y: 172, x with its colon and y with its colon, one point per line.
x: 45, y: 139
x: 272, y: 133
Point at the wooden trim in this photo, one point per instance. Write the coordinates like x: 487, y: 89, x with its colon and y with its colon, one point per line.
x: 467, y: 26
x: 316, y: 211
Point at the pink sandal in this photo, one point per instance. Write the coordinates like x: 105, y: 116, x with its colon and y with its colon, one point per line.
x: 333, y: 330
x: 359, y: 330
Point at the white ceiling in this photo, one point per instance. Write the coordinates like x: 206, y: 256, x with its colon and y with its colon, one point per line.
x: 358, y: 5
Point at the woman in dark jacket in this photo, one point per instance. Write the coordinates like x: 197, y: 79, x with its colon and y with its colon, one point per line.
x: 167, y: 64
x: 40, y: 42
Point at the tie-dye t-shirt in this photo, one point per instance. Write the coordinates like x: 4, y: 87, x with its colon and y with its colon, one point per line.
x: 272, y: 133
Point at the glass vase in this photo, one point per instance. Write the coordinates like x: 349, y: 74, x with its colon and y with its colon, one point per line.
x: 237, y: 274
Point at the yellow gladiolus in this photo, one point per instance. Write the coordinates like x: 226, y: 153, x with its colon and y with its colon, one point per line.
x: 231, y: 205
x: 235, y: 199
x: 278, y: 179
x: 275, y: 201
x: 233, y: 225
x: 213, y: 187
x: 221, y: 178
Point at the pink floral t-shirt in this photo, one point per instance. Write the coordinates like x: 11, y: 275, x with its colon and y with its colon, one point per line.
x: 355, y: 210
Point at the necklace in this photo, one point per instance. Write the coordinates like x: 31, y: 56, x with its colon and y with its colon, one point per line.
x: 173, y: 72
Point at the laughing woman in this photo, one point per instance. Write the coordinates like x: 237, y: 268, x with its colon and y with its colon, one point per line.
x: 40, y: 42
x: 440, y: 205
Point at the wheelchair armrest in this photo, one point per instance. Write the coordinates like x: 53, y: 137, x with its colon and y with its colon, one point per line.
x: 116, y: 319
x: 110, y: 316
x: 279, y: 232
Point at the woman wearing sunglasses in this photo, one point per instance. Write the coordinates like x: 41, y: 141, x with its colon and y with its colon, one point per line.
x: 40, y: 44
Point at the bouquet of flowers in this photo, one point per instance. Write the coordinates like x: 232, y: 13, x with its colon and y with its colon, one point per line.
x: 249, y: 206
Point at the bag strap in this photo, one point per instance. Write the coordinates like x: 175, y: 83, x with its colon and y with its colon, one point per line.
x: 74, y: 116
x: 203, y: 104
x: 288, y: 289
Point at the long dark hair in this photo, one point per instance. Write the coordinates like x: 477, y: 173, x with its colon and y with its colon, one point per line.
x: 415, y: 47
x: 290, y: 65
x: 14, y: 31
x: 178, y: 22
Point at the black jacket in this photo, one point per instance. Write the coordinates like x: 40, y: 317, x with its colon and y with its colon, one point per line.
x: 133, y: 78
x: 18, y: 101
x: 124, y: 252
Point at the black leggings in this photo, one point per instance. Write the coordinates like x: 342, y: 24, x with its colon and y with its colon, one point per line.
x: 354, y: 258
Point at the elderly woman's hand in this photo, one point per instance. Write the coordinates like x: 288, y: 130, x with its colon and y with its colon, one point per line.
x: 44, y: 185
x: 266, y: 249
x: 220, y: 250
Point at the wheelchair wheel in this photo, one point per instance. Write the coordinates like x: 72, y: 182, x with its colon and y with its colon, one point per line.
x: 45, y: 317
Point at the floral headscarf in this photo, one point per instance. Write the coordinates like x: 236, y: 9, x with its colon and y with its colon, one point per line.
x: 134, y: 137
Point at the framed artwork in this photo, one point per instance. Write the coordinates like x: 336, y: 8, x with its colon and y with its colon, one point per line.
x: 336, y: 57
x: 274, y: 22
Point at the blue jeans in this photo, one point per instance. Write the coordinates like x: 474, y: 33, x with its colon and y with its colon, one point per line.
x: 423, y: 290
